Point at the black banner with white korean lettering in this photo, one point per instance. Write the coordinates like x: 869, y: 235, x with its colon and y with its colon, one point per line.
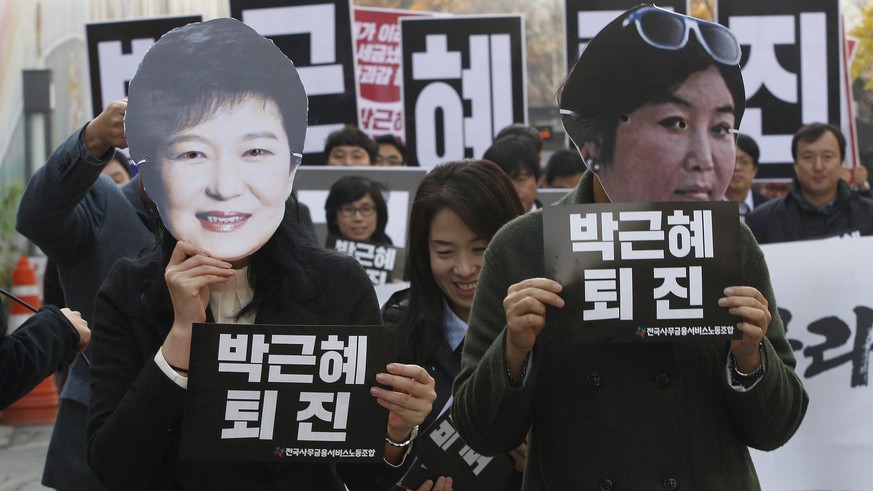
x: 285, y: 393
x: 383, y: 263
x: 642, y: 271
x: 441, y: 452
x: 463, y: 81
x: 115, y: 50
x: 791, y: 70
x: 317, y: 37
x: 585, y: 18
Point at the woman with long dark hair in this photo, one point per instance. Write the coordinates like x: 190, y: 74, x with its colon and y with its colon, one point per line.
x: 458, y: 207
x: 219, y: 143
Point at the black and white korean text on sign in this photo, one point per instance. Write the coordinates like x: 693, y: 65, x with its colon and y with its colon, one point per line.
x: 273, y: 393
x: 382, y: 262
x: 317, y: 37
x: 791, y: 71
x: 642, y: 271
x: 115, y: 50
x: 585, y: 18
x: 463, y: 81
x: 442, y: 452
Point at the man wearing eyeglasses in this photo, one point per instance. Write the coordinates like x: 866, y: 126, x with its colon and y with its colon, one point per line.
x: 820, y: 204
x: 746, y: 168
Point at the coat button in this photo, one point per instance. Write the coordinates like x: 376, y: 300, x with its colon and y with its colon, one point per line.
x: 671, y: 484
x: 662, y: 380
x: 594, y: 381
x: 606, y: 485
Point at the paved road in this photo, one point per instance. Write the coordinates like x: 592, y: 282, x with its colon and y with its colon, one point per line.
x: 22, y: 453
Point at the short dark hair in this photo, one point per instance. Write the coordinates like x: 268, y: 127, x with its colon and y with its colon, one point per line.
x: 564, y: 163
x: 482, y: 195
x: 514, y: 154
x: 619, y: 72
x: 814, y: 131
x: 352, y: 188
x: 353, y: 136
x: 194, y: 70
x: 525, y: 131
x: 390, y: 139
x: 747, y: 144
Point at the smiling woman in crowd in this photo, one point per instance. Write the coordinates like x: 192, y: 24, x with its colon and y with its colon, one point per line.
x: 356, y: 209
x: 458, y: 207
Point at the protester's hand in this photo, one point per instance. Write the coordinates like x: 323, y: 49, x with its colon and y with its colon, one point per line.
x: 443, y: 483
x: 525, y: 306
x: 860, y: 174
x: 519, y: 455
x: 749, y: 304
x: 861, y: 180
x: 410, y: 401
x: 188, y: 275
x: 107, y: 129
x: 846, y: 174
x: 81, y: 326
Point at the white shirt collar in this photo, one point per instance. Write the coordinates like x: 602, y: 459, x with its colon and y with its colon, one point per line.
x: 228, y: 298
x: 456, y: 328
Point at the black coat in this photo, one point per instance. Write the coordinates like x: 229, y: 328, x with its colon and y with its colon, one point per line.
x: 44, y: 343
x: 794, y: 218
x: 136, y: 411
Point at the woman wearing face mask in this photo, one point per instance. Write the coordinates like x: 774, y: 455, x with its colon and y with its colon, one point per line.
x: 458, y: 207
x: 654, y: 99
x: 228, y: 253
x: 356, y: 210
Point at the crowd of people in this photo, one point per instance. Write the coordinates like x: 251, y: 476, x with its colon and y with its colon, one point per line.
x: 197, y: 235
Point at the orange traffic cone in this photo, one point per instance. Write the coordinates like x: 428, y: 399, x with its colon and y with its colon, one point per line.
x: 24, y: 286
x: 41, y: 404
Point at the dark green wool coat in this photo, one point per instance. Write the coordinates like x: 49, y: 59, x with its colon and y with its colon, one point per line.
x: 618, y: 417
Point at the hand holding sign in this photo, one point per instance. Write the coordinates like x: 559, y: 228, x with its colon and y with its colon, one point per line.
x: 107, y: 129
x: 442, y: 483
x: 525, y: 306
x: 747, y: 302
x: 519, y: 455
x: 188, y: 275
x: 408, y: 404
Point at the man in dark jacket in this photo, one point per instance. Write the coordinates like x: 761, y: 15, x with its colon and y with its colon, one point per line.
x: 820, y: 204
x: 84, y: 222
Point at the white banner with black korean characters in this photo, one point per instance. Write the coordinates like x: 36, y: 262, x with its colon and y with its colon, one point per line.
x: 317, y: 36
x: 583, y: 19
x: 383, y: 263
x: 279, y: 393
x: 823, y: 291
x: 639, y: 272
x: 463, y: 81
x: 115, y: 50
x: 791, y: 71
x: 440, y: 451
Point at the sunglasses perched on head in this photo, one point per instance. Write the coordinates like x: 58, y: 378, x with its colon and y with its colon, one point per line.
x: 670, y: 31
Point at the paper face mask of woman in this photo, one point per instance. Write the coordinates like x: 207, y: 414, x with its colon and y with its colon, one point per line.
x: 655, y: 101
x: 217, y: 143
